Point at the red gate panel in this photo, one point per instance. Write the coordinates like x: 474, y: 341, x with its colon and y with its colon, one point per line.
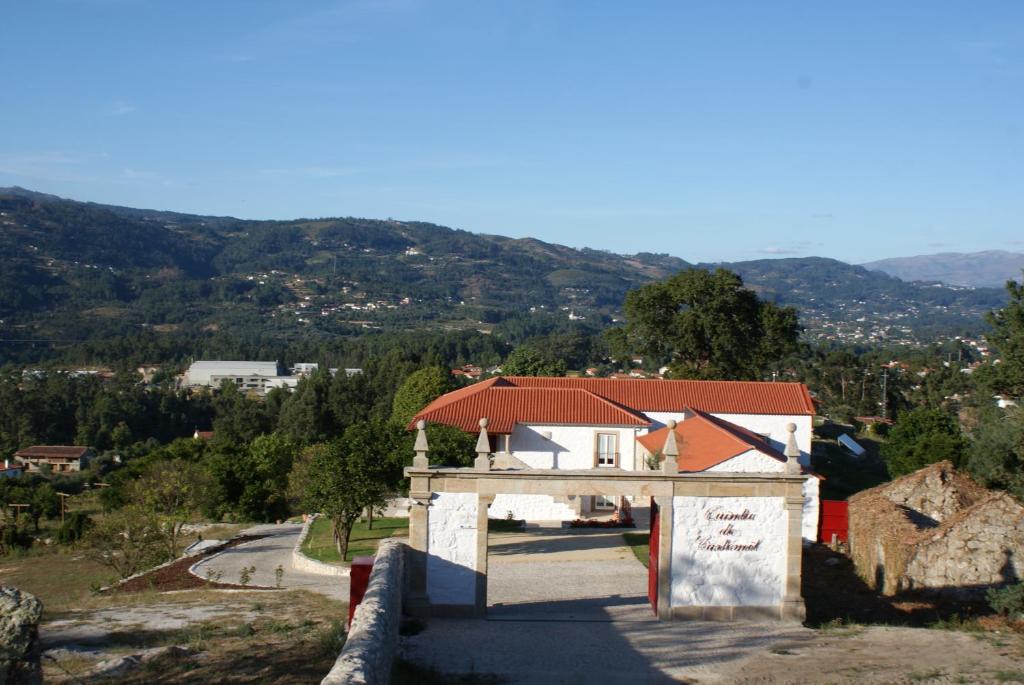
x: 652, y: 559
x: 834, y: 519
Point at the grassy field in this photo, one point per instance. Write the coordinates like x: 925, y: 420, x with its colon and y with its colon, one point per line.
x: 640, y: 544
x: 319, y: 544
x: 61, y: 579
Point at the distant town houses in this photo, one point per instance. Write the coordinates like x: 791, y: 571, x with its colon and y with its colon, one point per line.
x: 55, y: 458
x: 251, y: 377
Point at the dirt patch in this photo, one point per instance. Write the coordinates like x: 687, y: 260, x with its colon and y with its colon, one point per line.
x: 175, y: 576
x: 197, y: 636
x: 888, y: 655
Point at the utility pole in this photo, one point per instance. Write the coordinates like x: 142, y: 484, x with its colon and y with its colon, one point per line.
x: 17, y: 509
x: 885, y: 398
x: 63, y: 498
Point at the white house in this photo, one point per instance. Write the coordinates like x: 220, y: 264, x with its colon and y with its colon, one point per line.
x: 594, y: 423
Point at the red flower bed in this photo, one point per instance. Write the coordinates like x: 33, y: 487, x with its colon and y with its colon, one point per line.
x: 611, y: 523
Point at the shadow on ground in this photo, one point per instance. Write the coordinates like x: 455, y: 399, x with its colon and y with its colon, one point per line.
x: 834, y: 593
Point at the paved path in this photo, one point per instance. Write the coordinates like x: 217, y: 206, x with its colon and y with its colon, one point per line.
x: 266, y: 554
x: 567, y: 574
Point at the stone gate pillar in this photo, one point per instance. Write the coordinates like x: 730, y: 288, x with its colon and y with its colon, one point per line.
x: 793, y: 604
x: 665, y: 518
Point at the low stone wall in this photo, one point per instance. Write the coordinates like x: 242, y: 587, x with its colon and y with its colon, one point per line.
x: 300, y: 562
x: 372, y: 641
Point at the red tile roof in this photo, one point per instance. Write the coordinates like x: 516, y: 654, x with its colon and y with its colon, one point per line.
x: 705, y: 441
x: 719, y: 397
x: 52, y: 452
x: 504, y: 406
x: 597, y: 401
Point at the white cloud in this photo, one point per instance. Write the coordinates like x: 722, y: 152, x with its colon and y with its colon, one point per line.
x: 121, y: 108
x: 311, y: 171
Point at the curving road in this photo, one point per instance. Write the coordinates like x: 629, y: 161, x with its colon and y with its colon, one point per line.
x: 266, y: 554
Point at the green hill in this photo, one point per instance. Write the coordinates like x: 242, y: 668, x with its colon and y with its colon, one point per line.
x: 78, y: 270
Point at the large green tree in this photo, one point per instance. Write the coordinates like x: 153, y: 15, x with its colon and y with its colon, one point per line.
x: 171, y: 492
x: 343, y: 478
x: 921, y: 437
x: 1008, y: 337
x: 527, y: 360
x: 996, y: 454
x: 418, y: 390
x: 707, y: 325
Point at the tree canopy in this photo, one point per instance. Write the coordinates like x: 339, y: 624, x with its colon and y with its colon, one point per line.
x: 1008, y: 337
x: 921, y: 437
x: 707, y: 326
x: 418, y: 390
x: 527, y: 360
x: 344, y: 477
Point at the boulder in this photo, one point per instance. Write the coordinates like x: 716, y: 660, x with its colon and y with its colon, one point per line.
x: 19, y: 637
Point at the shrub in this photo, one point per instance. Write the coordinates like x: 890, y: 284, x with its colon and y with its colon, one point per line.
x: 1008, y: 600
x: 75, y: 525
x: 14, y: 535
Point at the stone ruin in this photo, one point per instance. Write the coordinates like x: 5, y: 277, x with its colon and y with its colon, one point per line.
x: 937, y: 530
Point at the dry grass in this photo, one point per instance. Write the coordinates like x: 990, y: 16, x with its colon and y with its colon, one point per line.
x: 220, y: 531
x: 288, y: 637
x: 61, y: 579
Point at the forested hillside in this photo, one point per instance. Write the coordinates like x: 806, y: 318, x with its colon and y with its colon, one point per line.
x: 75, y: 271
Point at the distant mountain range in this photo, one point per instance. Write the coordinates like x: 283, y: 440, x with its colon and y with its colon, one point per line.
x: 989, y: 269
x: 83, y: 270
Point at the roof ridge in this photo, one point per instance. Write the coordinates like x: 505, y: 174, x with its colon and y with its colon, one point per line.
x: 716, y: 423
x: 744, y: 435
x: 627, y: 410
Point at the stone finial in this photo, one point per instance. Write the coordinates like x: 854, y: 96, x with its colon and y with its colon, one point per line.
x: 792, y: 451
x: 483, y: 449
x: 420, y: 461
x: 671, y: 450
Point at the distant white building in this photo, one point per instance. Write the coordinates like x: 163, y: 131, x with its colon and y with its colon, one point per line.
x: 202, y: 373
x: 257, y: 378
x: 305, y: 368
x: 249, y: 377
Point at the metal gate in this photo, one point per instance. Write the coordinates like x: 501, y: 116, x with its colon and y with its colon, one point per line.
x: 652, y: 558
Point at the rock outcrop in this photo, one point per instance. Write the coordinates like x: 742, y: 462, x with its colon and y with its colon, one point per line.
x: 19, y: 637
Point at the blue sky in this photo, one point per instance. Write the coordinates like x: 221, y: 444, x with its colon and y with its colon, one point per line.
x: 711, y: 131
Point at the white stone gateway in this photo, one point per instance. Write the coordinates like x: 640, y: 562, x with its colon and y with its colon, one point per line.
x: 729, y: 544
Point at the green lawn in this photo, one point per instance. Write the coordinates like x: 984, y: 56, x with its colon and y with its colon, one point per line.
x: 319, y: 544
x: 640, y: 544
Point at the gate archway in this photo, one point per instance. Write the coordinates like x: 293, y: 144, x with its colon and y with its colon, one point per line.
x: 728, y: 545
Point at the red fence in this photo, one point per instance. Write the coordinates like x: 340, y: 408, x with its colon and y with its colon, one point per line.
x: 652, y: 559
x: 359, y: 578
x: 834, y: 520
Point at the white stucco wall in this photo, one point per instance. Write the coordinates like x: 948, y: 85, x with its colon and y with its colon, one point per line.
x: 451, y: 548
x: 809, y: 524
x: 756, y: 462
x: 772, y: 425
x: 728, y: 577
x: 530, y: 508
x: 750, y: 462
x: 570, y: 447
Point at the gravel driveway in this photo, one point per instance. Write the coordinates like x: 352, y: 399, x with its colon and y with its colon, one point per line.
x: 554, y: 573
x: 266, y: 554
